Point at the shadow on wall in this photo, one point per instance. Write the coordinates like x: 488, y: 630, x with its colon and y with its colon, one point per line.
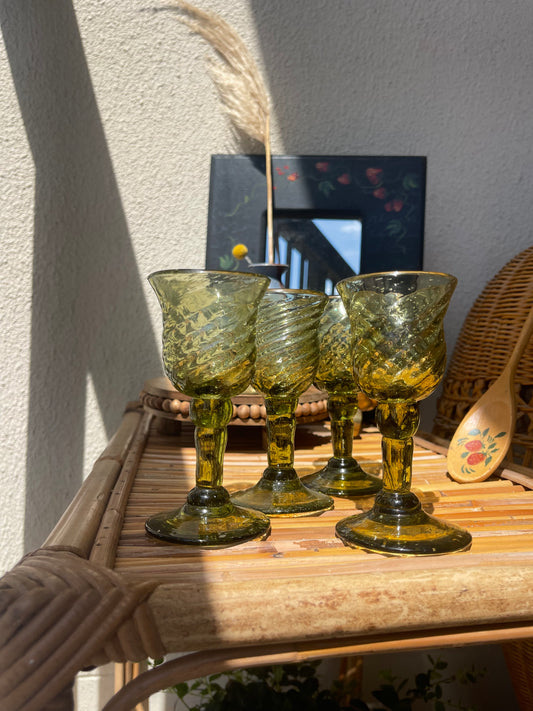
x: 89, y: 317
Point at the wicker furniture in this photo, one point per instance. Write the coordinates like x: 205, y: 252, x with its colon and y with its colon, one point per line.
x: 485, y: 342
x: 483, y: 348
x: 105, y: 591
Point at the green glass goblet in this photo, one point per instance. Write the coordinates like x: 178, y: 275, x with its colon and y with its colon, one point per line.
x: 287, y: 358
x: 342, y: 475
x: 209, y: 353
x: 399, y: 358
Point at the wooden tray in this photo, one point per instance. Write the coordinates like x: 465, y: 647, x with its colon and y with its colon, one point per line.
x: 303, y: 585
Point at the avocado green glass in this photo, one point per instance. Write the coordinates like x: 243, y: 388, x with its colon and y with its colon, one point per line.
x: 399, y: 357
x: 342, y: 475
x: 287, y: 358
x: 209, y: 353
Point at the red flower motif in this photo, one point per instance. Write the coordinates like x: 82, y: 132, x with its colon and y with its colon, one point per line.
x: 397, y: 205
x: 374, y: 175
x: 286, y: 167
x: 388, y: 206
x: 380, y: 193
x: 344, y: 179
x: 474, y: 446
x: 293, y: 176
x: 279, y: 171
x: 475, y: 458
x: 322, y: 166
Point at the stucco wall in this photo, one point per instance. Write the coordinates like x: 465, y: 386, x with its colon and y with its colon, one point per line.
x: 108, y: 123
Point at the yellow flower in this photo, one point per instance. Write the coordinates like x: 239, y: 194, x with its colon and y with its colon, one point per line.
x: 240, y: 251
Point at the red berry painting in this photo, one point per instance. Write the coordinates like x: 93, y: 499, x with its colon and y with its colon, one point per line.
x: 478, y: 449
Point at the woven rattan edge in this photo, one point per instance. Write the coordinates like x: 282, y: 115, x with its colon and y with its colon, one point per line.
x: 59, y: 612
x: 77, y: 528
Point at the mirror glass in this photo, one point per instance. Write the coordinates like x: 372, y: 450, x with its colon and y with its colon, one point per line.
x: 319, y: 251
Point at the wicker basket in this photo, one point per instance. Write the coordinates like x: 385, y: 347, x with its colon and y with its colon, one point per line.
x: 483, y: 348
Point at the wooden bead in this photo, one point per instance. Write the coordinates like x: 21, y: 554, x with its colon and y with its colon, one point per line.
x: 243, y: 412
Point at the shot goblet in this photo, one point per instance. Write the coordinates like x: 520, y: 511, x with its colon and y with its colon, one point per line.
x: 342, y: 475
x: 399, y: 358
x: 209, y: 353
x: 287, y: 357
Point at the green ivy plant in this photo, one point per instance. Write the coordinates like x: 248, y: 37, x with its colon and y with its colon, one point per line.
x: 296, y: 687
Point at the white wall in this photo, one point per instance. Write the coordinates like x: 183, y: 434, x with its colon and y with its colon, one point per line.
x: 108, y: 123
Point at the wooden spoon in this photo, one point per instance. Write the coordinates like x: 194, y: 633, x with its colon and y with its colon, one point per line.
x: 483, y: 437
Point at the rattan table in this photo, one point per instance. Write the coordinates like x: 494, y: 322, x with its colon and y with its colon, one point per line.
x: 114, y: 594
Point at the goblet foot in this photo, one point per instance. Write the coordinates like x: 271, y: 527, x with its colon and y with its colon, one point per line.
x: 397, y: 525
x: 208, y: 519
x: 280, y: 492
x: 343, y: 477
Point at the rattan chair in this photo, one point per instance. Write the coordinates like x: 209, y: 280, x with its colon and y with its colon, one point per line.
x: 483, y: 348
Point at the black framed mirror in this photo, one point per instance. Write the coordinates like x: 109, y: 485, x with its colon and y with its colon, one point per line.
x: 334, y: 216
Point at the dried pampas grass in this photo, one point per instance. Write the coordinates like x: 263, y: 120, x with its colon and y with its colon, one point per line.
x: 240, y: 87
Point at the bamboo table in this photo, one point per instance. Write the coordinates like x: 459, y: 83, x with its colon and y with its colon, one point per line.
x: 299, y: 594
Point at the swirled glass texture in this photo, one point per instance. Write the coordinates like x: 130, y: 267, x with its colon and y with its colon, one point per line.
x: 397, y: 325
x: 334, y: 372
x: 208, y: 329
x: 287, y: 341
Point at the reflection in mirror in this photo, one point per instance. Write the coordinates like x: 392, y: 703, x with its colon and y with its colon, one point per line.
x: 319, y: 251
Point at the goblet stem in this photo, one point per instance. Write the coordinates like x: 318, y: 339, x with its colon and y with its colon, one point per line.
x: 209, y: 518
x: 281, y: 428
x: 210, y: 418
x: 280, y: 491
x: 342, y: 409
x: 397, y: 524
x: 397, y: 423
x: 342, y: 475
